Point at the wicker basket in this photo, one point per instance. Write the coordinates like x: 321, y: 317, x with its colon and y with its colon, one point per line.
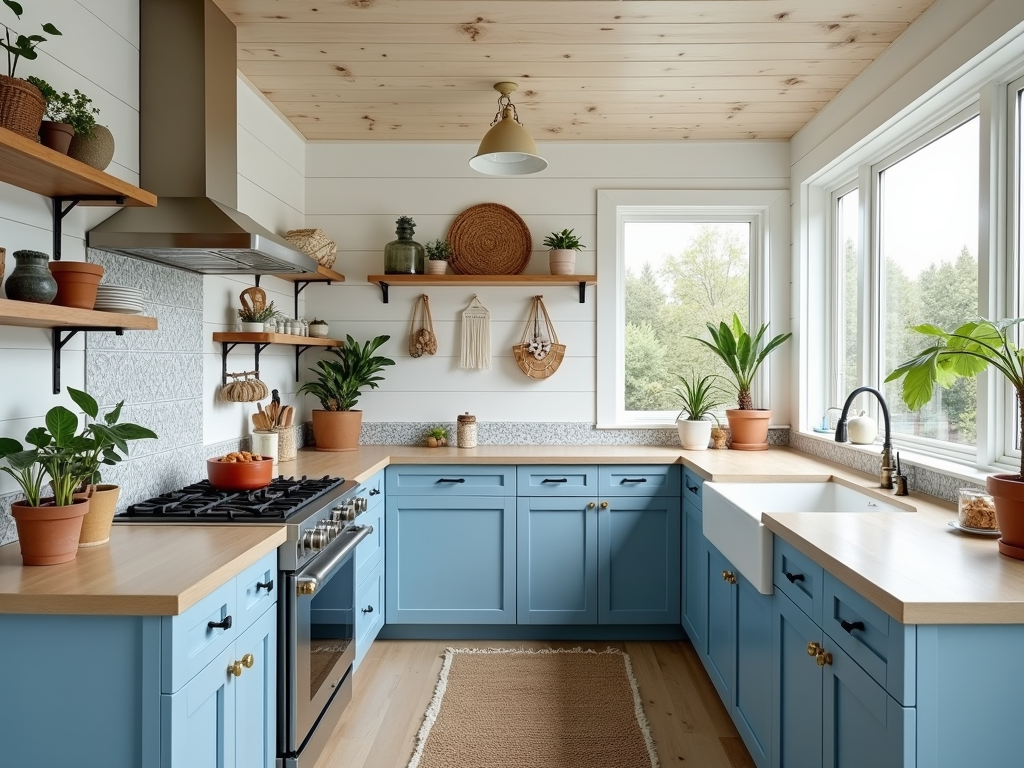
x: 21, y: 106
x: 315, y: 244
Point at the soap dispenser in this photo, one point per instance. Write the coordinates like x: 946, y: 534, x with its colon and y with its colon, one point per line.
x: 862, y: 429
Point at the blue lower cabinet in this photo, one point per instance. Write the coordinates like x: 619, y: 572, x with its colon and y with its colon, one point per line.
x: 256, y: 694
x: 557, y: 561
x: 199, y: 720
x: 721, y: 630
x: 797, y: 723
x: 695, y: 577
x: 369, y: 611
x: 638, y: 560
x: 752, y: 710
x: 450, y: 560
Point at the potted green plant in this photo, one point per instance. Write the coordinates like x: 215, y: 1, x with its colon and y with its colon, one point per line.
x: 562, y: 256
x: 66, y: 115
x: 253, y: 318
x: 699, y: 396
x: 21, y: 103
x: 967, y: 351
x: 49, y: 528
x: 743, y: 356
x: 438, y: 253
x: 336, y: 427
x: 437, y: 437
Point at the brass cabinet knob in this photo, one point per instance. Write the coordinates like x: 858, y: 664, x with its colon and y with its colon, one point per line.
x: 591, y: 505
x: 812, y: 649
x: 235, y: 669
x: 823, y: 658
x: 248, y: 660
x: 604, y: 505
x: 729, y: 577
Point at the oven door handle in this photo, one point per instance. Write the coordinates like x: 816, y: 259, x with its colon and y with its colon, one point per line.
x: 309, y: 578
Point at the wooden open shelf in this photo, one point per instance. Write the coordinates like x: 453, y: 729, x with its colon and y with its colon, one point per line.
x: 274, y: 338
x: 321, y: 275
x: 29, y: 165
x: 529, y: 281
x: 27, y: 314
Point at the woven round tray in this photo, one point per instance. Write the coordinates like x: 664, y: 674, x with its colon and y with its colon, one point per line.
x: 489, y: 239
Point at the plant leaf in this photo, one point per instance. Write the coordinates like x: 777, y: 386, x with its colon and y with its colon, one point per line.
x: 9, y: 445
x: 62, y: 424
x: 85, y: 401
x: 16, y: 7
x: 50, y: 29
x: 22, y: 459
x: 918, y: 386
x: 114, y: 415
x: 38, y: 437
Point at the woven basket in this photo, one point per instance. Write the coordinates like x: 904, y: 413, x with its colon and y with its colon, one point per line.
x: 21, y: 106
x: 315, y: 244
x: 489, y: 239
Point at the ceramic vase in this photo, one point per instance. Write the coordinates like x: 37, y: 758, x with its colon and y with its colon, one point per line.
x: 31, y: 280
x: 694, y: 435
x: 562, y: 261
x: 404, y: 256
x: 436, y: 266
x: 95, y: 150
x: 97, y: 521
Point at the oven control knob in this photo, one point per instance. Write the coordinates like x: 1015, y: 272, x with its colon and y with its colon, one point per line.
x: 314, y: 540
x: 337, y: 512
x: 360, y: 504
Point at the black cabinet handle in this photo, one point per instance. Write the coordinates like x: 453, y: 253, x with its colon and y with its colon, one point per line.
x: 451, y: 480
x: 850, y: 626
x: 692, y: 488
x: 374, y: 491
x: 367, y: 609
x: 267, y: 585
x: 632, y: 480
x: 226, y: 624
x: 555, y: 480
x: 794, y: 577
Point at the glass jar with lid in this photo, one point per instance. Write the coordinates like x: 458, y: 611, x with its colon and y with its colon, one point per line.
x: 976, y: 510
x: 466, y: 432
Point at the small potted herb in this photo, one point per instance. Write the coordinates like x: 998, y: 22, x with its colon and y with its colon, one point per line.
x: 562, y: 256
x: 699, y: 396
x: 437, y: 437
x: 67, y: 116
x: 21, y: 103
x: 438, y: 253
x: 253, y: 318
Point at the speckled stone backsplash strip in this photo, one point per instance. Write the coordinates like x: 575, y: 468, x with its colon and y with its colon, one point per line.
x: 919, y: 478
x: 531, y: 433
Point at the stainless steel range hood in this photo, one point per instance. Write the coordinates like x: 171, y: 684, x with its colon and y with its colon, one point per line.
x: 189, y: 153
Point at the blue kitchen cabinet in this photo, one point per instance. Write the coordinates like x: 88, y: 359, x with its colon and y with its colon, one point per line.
x: 450, y: 559
x: 721, y: 630
x: 796, y: 688
x: 369, y: 611
x: 557, y: 560
x: 695, y: 571
x: 638, y: 560
x: 256, y: 695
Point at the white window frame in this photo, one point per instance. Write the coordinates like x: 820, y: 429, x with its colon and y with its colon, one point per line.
x: 768, y: 213
x: 837, y: 386
x: 1012, y: 250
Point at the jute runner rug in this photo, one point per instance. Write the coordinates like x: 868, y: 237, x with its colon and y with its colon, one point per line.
x: 508, y: 708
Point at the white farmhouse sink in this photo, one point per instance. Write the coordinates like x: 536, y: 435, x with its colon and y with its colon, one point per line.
x: 732, y: 518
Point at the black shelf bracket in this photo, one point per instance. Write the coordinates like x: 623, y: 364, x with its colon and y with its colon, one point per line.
x: 62, y: 207
x: 384, y: 291
x: 227, y: 346
x: 59, y: 340
x: 298, y: 352
x: 583, y: 292
x: 300, y: 286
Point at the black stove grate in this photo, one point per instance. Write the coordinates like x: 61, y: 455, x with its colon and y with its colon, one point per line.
x: 201, y: 502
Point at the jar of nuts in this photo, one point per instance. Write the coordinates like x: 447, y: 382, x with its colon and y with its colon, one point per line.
x: 977, y: 510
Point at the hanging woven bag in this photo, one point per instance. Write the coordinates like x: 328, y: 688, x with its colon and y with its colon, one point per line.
x: 422, y: 341
x: 539, y: 354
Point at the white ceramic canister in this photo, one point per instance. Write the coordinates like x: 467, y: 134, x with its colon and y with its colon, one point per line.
x: 466, y: 432
x: 862, y: 429
x: 265, y: 444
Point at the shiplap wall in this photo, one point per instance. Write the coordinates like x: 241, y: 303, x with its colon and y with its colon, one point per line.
x: 355, y: 191
x: 271, y: 189
x: 99, y: 55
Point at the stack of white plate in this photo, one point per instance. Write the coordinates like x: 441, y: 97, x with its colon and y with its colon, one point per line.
x: 119, y: 298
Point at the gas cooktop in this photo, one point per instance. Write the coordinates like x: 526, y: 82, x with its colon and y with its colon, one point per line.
x: 201, y: 502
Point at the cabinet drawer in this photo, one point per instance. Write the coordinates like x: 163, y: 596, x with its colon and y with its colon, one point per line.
x: 799, y: 577
x: 369, y: 610
x: 882, y: 646
x: 639, y: 480
x: 565, y: 480
x: 370, y: 551
x: 372, y: 490
x: 455, y: 480
x: 693, y: 487
x: 257, y: 590
x: 189, y: 643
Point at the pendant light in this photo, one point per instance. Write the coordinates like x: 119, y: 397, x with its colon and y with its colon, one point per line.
x: 507, y: 149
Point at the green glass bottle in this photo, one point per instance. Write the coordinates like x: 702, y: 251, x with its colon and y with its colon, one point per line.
x: 403, y: 256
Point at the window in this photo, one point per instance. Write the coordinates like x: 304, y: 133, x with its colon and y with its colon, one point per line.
x: 669, y: 263
x: 847, y: 279
x: 1016, y: 219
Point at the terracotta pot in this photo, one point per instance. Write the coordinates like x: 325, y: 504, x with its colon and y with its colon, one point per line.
x: 56, y: 136
x: 76, y: 283
x: 102, y: 506
x: 48, y: 535
x: 749, y: 428
x: 337, y: 430
x: 694, y: 435
x: 239, y: 475
x: 1008, y: 494
x: 562, y: 261
x: 436, y: 266
x: 96, y: 149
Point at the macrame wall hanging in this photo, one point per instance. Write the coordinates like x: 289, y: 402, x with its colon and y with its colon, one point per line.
x: 539, y: 354
x: 422, y: 340
x: 476, y: 336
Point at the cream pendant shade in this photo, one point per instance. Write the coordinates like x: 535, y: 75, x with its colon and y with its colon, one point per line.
x: 507, y: 149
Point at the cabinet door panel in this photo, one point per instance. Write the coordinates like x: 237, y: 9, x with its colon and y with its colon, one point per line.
x: 863, y: 725
x: 199, y: 720
x: 721, y: 658
x: 796, y: 688
x: 557, y: 561
x: 695, y: 578
x: 370, y: 551
x: 638, y: 562
x: 452, y: 480
x: 753, y: 713
x: 256, y: 695
x: 369, y: 611
x: 450, y: 560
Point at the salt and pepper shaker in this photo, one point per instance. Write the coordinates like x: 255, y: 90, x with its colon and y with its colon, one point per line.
x: 466, y: 432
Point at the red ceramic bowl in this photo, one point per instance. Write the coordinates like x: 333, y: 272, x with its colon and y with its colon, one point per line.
x: 239, y: 475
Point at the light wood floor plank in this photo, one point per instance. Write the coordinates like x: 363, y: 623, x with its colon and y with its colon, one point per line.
x: 396, y: 680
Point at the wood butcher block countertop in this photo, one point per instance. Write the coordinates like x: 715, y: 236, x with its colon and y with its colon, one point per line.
x: 911, y: 565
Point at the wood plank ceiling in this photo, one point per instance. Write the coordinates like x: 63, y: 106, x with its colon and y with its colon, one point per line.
x: 588, y: 70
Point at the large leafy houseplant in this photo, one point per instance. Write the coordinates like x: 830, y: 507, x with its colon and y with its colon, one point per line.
x: 699, y: 396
